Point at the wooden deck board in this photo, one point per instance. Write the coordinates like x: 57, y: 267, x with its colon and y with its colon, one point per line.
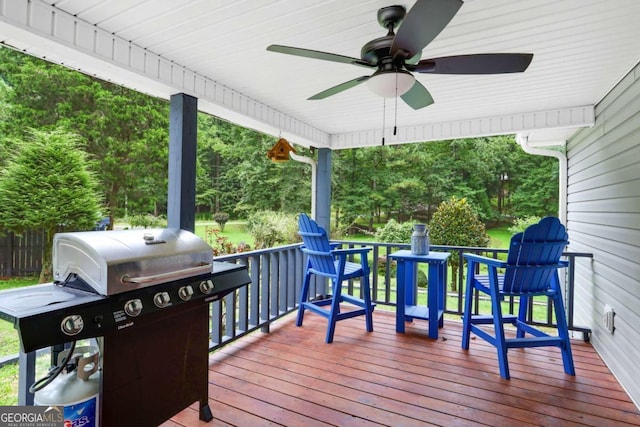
x: 290, y: 377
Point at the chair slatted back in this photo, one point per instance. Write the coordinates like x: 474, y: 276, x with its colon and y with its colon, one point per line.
x: 534, y: 255
x: 316, y: 246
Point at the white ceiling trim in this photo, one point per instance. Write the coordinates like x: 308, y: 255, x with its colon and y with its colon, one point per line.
x: 572, y: 118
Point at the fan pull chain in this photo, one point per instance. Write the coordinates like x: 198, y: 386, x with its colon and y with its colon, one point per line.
x: 395, y: 119
x: 384, y: 114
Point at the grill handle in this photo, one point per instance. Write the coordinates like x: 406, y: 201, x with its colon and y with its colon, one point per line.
x: 172, y: 275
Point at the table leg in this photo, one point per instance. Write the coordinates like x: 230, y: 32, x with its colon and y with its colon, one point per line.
x: 443, y: 292
x: 400, y: 295
x: 433, y: 297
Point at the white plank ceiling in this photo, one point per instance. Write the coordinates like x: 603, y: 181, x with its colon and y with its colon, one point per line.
x: 216, y: 51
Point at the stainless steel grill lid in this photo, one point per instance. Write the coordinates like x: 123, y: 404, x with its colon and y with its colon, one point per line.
x: 111, y: 262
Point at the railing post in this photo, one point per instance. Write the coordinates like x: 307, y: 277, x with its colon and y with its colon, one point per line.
x: 26, y: 376
x: 290, y: 274
x: 254, y: 295
x: 273, y: 285
x: 265, y: 294
x: 243, y: 302
x: 216, y: 323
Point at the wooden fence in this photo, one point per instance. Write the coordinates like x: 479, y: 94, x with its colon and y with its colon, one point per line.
x: 21, y: 255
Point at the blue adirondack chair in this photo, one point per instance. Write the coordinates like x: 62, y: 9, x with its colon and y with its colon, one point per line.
x: 531, y: 269
x: 324, y: 260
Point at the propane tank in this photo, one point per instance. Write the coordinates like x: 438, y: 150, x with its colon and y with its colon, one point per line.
x: 77, y: 390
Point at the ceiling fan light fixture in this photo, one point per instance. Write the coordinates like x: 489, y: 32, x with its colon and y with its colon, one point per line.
x: 390, y: 84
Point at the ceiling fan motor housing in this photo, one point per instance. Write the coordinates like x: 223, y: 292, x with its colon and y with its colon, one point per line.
x: 378, y: 49
x: 391, y: 16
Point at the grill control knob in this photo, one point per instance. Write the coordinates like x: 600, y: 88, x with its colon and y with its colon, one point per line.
x: 206, y: 286
x: 185, y: 293
x: 161, y: 299
x: 133, y: 307
x: 72, y: 325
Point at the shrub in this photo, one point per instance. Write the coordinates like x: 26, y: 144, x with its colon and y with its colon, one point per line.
x: 147, y: 221
x: 521, y: 223
x: 382, y: 266
x: 221, y: 245
x: 221, y: 218
x: 269, y: 228
x: 455, y: 223
x: 395, y: 232
x: 422, y: 279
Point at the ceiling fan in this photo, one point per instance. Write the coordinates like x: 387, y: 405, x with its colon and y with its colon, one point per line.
x: 396, y: 55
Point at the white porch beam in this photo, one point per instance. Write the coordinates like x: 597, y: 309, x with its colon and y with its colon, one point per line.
x: 573, y: 117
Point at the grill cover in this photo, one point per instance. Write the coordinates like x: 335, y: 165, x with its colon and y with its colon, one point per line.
x: 111, y: 262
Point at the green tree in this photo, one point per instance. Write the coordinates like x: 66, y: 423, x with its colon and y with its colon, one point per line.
x: 48, y: 186
x: 128, y: 138
x: 123, y: 132
x: 235, y: 176
x: 5, y: 108
x: 534, y: 186
x: 360, y: 182
x: 455, y: 223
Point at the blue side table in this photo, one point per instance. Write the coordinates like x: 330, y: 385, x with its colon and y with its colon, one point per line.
x: 407, y: 310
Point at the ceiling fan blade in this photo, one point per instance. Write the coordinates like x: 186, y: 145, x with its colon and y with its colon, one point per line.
x: 339, y: 88
x: 424, y: 21
x: 487, y: 63
x: 417, y: 97
x: 316, y: 54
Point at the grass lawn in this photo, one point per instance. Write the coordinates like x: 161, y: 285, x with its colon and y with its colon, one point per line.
x: 499, y: 237
x: 17, y: 282
x: 235, y: 231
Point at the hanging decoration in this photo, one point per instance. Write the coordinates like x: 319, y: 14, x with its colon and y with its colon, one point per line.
x: 280, y: 151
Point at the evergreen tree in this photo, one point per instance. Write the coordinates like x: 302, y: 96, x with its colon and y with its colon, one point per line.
x: 47, y: 186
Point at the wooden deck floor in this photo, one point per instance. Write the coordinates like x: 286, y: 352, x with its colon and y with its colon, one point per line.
x: 290, y: 377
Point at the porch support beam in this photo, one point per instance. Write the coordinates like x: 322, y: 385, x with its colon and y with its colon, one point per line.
x: 181, y: 201
x: 323, y: 189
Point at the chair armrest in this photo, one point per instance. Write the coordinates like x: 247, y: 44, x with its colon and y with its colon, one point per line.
x: 351, y: 251
x: 339, y: 252
x: 312, y: 252
x: 485, y: 260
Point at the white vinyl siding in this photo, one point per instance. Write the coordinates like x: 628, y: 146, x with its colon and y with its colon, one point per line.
x: 603, y: 218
